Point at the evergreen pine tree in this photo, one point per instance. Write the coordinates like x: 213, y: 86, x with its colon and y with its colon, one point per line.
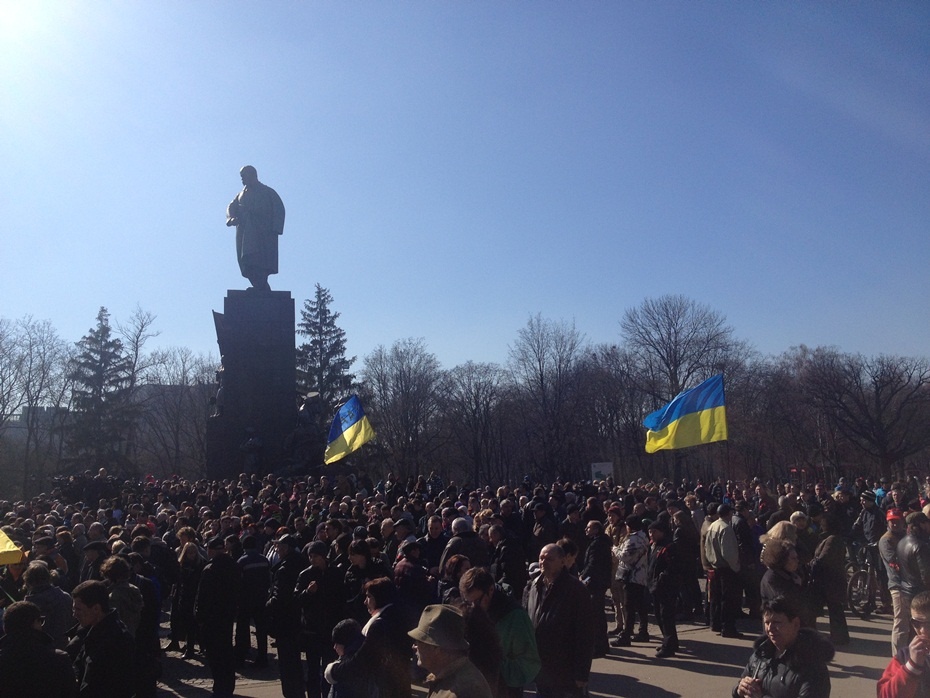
x: 321, y: 362
x: 103, y: 411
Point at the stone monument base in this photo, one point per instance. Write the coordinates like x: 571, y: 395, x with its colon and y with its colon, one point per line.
x: 256, y: 403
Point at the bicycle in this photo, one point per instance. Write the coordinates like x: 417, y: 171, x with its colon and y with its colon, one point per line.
x: 862, y: 585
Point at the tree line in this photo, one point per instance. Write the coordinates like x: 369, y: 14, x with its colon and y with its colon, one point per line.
x: 556, y: 405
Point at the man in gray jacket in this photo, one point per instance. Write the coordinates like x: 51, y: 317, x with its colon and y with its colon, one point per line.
x: 722, y: 552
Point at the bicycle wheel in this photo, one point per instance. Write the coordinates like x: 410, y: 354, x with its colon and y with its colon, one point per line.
x: 851, y: 569
x: 857, y: 593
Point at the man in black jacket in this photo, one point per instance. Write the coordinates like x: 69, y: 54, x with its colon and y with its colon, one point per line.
x: 508, y: 561
x: 465, y: 541
x: 320, y: 594
x: 30, y: 666
x: 103, y: 650
x: 215, y: 610
x: 256, y: 578
x: 284, y: 622
x: 788, y: 660
x: 560, y: 607
x: 914, y: 556
x: 595, y: 574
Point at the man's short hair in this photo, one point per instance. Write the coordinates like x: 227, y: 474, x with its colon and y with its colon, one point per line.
x: 37, y: 575
x: 20, y: 616
x: 115, y: 569
x: 567, y: 545
x: 460, y: 525
x: 596, y: 525
x: 782, y: 604
x: 360, y: 547
x: 92, y: 593
x: 920, y: 605
x: 476, y: 578
x: 347, y: 631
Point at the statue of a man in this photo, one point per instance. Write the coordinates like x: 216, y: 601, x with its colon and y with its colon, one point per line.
x: 258, y: 214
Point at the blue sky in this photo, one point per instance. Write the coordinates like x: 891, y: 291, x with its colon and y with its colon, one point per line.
x: 451, y: 168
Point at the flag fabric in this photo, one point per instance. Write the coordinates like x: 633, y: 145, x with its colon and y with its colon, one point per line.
x: 9, y: 553
x: 350, y: 429
x: 697, y: 416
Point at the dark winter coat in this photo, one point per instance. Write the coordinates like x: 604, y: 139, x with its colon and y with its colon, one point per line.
x: 283, y: 604
x: 355, y: 579
x: 564, y: 622
x: 828, y: 570
x: 508, y: 566
x: 56, y: 606
x: 104, y: 659
x: 914, y: 564
x: 184, y: 596
x: 665, y: 570
x: 800, y: 673
x: 384, y: 654
x: 31, y: 667
x: 598, y: 563
x: 468, y: 544
x: 320, y: 610
x: 777, y: 583
x: 218, y: 594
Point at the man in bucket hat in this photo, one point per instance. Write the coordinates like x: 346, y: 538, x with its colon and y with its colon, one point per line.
x: 442, y: 650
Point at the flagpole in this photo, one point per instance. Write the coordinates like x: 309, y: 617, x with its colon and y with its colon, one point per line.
x: 729, y: 472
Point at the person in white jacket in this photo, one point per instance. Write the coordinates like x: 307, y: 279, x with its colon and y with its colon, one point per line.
x: 633, y: 562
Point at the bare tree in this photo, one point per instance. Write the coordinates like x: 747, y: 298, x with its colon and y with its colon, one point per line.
x: 176, y: 391
x: 677, y: 343
x: 471, y: 401
x: 881, y: 404
x: 134, y: 335
x: 11, y: 362
x: 400, y: 393
x: 543, y: 363
x: 45, y: 386
x: 612, y: 407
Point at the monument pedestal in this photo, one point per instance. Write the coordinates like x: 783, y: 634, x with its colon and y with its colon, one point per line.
x: 257, y: 406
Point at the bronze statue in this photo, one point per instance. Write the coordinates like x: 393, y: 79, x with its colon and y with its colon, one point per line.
x: 258, y: 214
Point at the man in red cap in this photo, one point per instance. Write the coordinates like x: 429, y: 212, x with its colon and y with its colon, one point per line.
x: 888, y: 549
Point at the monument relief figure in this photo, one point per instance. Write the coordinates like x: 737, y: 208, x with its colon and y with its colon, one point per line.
x: 258, y: 214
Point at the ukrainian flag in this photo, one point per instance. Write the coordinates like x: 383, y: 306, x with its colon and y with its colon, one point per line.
x: 10, y: 553
x: 350, y: 429
x: 697, y: 416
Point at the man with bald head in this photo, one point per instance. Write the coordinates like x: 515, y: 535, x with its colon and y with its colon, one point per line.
x: 258, y: 214
x: 560, y: 607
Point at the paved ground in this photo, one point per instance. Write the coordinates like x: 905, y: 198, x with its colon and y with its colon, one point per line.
x: 707, y: 666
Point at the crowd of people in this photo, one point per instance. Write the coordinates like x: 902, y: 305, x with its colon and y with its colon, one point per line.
x: 365, y: 587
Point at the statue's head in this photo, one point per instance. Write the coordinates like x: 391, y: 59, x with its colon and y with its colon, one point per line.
x: 249, y: 175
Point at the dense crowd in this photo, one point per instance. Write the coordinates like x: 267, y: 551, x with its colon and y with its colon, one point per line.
x: 344, y: 574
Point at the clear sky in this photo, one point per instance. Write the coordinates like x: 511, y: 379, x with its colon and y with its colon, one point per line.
x: 451, y: 168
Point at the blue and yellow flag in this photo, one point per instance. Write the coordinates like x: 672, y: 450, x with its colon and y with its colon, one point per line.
x: 10, y: 553
x: 350, y: 429
x: 697, y: 416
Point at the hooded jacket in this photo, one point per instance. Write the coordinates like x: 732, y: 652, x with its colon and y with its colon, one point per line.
x: 633, y: 558
x: 801, y: 672
x: 901, y: 679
